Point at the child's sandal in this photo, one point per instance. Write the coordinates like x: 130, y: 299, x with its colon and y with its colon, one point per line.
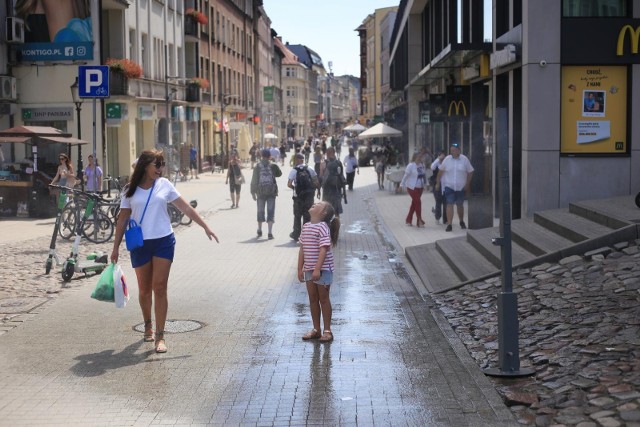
x: 161, y: 346
x: 148, y: 331
x: 326, y: 337
x: 313, y: 334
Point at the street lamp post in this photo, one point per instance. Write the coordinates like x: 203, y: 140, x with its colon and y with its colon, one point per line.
x: 78, y: 101
x: 290, y: 127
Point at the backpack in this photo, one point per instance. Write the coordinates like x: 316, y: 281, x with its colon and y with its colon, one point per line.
x: 304, y: 182
x: 267, y: 186
x: 332, y: 175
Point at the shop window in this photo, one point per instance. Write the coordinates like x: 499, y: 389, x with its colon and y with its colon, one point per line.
x: 586, y: 8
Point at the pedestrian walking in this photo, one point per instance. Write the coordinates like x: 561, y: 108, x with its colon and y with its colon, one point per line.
x: 253, y: 153
x: 441, y: 205
x: 306, y: 150
x: 264, y: 190
x: 65, y: 175
x: 381, y: 167
x: 316, y: 266
x: 414, y: 181
x: 351, y: 167
x: 193, y: 161
x: 235, y: 179
x: 145, y: 198
x: 92, y: 176
x: 333, y: 181
x: 304, y: 182
x: 283, y: 152
x: 454, y: 177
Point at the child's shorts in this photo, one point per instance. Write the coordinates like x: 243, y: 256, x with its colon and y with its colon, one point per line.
x: 326, y: 277
x: 163, y: 247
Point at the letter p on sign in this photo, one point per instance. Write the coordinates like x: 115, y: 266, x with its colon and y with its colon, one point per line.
x: 93, y: 81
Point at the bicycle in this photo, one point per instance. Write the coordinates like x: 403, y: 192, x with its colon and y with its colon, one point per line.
x: 97, y: 228
x: 177, y: 217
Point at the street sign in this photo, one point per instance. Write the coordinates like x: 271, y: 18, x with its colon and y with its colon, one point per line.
x: 93, y: 81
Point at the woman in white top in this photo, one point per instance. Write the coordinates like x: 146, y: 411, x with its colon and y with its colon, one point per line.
x: 351, y: 167
x: 65, y: 174
x: 152, y: 261
x: 414, y: 180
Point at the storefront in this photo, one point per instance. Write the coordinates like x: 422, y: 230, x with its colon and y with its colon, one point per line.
x: 28, y: 163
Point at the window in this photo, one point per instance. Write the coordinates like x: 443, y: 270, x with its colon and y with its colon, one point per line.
x: 573, y: 8
x: 144, y: 54
x: 292, y: 92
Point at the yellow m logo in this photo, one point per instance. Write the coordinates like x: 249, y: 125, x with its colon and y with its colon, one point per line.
x: 635, y: 36
x: 459, y: 105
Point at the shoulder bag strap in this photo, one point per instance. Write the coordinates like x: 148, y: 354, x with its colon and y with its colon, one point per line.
x: 147, y: 204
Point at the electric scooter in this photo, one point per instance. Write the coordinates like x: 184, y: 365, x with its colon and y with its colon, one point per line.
x: 95, y: 262
x: 62, y: 201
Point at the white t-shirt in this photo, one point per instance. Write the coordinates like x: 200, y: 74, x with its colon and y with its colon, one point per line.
x: 156, y: 222
x: 350, y: 164
x: 455, y: 172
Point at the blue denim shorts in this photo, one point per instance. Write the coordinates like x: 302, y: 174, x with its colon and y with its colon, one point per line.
x: 163, y: 247
x: 326, y: 277
x: 453, y: 197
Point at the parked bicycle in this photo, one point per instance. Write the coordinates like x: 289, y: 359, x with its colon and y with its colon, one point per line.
x: 97, y: 228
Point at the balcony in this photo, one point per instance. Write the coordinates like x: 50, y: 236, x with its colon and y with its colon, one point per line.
x: 194, y: 94
x: 118, y: 84
x: 190, y: 28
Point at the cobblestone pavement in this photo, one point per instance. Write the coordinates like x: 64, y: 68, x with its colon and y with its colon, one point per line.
x: 579, y: 330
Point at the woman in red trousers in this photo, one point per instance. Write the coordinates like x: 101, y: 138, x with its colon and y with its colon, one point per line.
x: 414, y: 181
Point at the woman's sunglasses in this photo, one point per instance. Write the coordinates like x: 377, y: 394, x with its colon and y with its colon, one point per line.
x: 159, y: 164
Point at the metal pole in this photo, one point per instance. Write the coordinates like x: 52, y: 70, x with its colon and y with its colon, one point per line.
x: 95, y: 139
x: 167, y: 109
x: 508, y: 345
x: 80, y: 163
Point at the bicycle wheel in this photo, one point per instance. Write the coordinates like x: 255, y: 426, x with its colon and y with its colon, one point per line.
x: 68, y: 221
x: 185, y: 220
x: 98, y: 228
x: 174, y: 215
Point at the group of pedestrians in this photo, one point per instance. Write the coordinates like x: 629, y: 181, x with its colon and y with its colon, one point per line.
x: 450, y: 178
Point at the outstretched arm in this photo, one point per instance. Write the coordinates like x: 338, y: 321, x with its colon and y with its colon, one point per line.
x: 186, y: 209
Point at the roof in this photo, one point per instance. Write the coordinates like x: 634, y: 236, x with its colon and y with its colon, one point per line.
x: 290, y: 58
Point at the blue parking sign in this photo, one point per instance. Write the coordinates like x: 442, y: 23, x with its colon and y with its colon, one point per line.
x: 93, y: 81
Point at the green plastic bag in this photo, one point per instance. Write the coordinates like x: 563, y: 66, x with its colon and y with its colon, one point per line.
x: 104, y: 289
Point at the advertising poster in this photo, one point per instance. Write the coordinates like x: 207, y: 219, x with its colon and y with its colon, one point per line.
x: 594, y: 110
x: 55, y: 30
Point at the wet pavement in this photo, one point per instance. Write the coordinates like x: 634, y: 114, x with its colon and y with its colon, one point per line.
x: 394, y: 361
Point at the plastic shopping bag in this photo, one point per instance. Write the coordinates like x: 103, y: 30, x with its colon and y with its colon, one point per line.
x: 104, y: 289
x: 120, y: 287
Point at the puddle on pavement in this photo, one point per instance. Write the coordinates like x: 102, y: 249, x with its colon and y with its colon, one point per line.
x: 358, y: 227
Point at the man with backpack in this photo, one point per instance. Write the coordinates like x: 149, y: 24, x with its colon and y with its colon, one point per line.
x: 333, y: 181
x: 264, y: 190
x: 304, y: 183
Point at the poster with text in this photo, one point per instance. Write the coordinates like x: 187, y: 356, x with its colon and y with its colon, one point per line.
x: 594, y: 110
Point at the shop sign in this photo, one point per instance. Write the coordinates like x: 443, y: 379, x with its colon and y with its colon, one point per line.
x: 268, y: 94
x: 424, y: 112
x: 437, y: 107
x: 606, y: 41
x: 458, y: 104
x: 146, y: 112
x: 47, y: 114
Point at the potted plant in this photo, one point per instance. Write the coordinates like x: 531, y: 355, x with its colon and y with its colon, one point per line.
x: 197, y: 15
x: 199, y: 82
x: 126, y: 67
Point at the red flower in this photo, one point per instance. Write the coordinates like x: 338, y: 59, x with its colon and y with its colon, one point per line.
x: 197, y: 15
x: 200, y: 82
x: 125, y: 66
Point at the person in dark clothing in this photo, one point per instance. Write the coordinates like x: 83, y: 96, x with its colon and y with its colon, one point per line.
x: 304, y: 182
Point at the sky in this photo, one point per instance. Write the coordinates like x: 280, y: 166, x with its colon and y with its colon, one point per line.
x: 326, y: 26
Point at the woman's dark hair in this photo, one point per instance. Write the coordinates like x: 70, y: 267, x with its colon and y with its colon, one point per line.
x: 332, y: 221
x: 146, y: 158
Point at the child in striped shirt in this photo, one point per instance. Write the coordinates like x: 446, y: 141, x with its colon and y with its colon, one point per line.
x: 315, y: 265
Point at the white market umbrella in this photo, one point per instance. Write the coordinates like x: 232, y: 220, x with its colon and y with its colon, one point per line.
x: 380, y: 131
x: 270, y: 136
x: 356, y: 127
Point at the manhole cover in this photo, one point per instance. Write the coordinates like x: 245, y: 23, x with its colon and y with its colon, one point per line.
x: 175, y: 326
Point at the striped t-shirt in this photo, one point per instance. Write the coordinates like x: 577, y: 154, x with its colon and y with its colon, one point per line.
x: 312, y: 238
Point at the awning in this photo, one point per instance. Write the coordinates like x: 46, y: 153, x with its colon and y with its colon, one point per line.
x: 63, y: 140
x: 14, y: 139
